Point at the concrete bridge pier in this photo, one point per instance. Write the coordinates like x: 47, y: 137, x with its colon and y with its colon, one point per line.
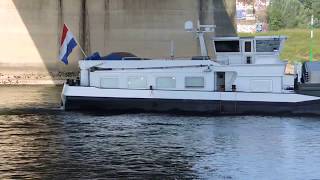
x: 30, y: 31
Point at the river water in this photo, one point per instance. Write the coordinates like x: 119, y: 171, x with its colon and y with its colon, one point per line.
x: 40, y: 141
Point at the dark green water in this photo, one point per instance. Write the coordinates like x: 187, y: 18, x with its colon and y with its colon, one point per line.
x: 39, y: 141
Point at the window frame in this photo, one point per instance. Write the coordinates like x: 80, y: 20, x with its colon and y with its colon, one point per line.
x: 227, y: 40
x: 269, y: 52
x: 169, y: 77
x: 116, y: 78
x: 137, y: 77
x: 194, y: 87
x: 250, y: 42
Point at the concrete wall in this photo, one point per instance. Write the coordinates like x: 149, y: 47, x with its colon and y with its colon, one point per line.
x: 30, y: 30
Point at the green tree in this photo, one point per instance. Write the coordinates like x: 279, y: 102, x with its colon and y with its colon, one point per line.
x: 288, y: 14
x: 316, y: 12
x: 275, y: 19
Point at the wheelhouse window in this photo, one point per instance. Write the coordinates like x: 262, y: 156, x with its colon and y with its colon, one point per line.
x: 267, y: 45
x: 166, y: 82
x: 194, y: 82
x: 248, y: 46
x: 227, y: 46
x: 137, y: 82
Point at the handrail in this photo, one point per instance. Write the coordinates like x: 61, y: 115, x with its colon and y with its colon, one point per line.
x: 164, y: 67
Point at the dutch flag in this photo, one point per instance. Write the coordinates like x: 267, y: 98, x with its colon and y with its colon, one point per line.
x: 68, y: 43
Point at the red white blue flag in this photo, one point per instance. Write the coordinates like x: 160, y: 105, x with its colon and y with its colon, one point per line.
x: 68, y: 43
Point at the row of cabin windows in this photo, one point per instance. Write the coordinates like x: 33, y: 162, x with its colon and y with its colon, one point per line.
x: 161, y: 82
x: 234, y: 46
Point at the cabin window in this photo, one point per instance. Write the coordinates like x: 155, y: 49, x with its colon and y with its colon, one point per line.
x: 166, y: 82
x: 194, y: 82
x: 267, y: 45
x: 227, y: 46
x: 137, y: 83
x: 109, y: 83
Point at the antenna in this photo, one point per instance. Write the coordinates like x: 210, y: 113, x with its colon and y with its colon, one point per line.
x: 201, y: 29
x: 172, y: 49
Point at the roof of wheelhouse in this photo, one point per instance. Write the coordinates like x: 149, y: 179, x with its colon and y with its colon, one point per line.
x: 249, y: 37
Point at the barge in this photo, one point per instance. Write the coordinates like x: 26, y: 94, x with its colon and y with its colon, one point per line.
x: 245, y: 77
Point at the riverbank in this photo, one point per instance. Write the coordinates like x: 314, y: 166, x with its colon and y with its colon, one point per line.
x: 30, y: 78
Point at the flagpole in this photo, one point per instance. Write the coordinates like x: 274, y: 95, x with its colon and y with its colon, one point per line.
x: 311, y: 37
x: 85, y: 55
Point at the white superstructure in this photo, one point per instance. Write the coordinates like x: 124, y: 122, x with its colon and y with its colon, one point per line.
x: 240, y: 70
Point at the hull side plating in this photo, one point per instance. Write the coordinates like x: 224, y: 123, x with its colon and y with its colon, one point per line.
x: 210, y: 107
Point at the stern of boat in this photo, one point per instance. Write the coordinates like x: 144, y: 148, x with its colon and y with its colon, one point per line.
x: 63, y: 96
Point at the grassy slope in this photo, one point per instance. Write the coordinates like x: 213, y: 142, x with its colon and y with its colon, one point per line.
x: 298, y: 44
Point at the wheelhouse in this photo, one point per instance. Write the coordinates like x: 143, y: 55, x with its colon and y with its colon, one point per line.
x: 248, y: 50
